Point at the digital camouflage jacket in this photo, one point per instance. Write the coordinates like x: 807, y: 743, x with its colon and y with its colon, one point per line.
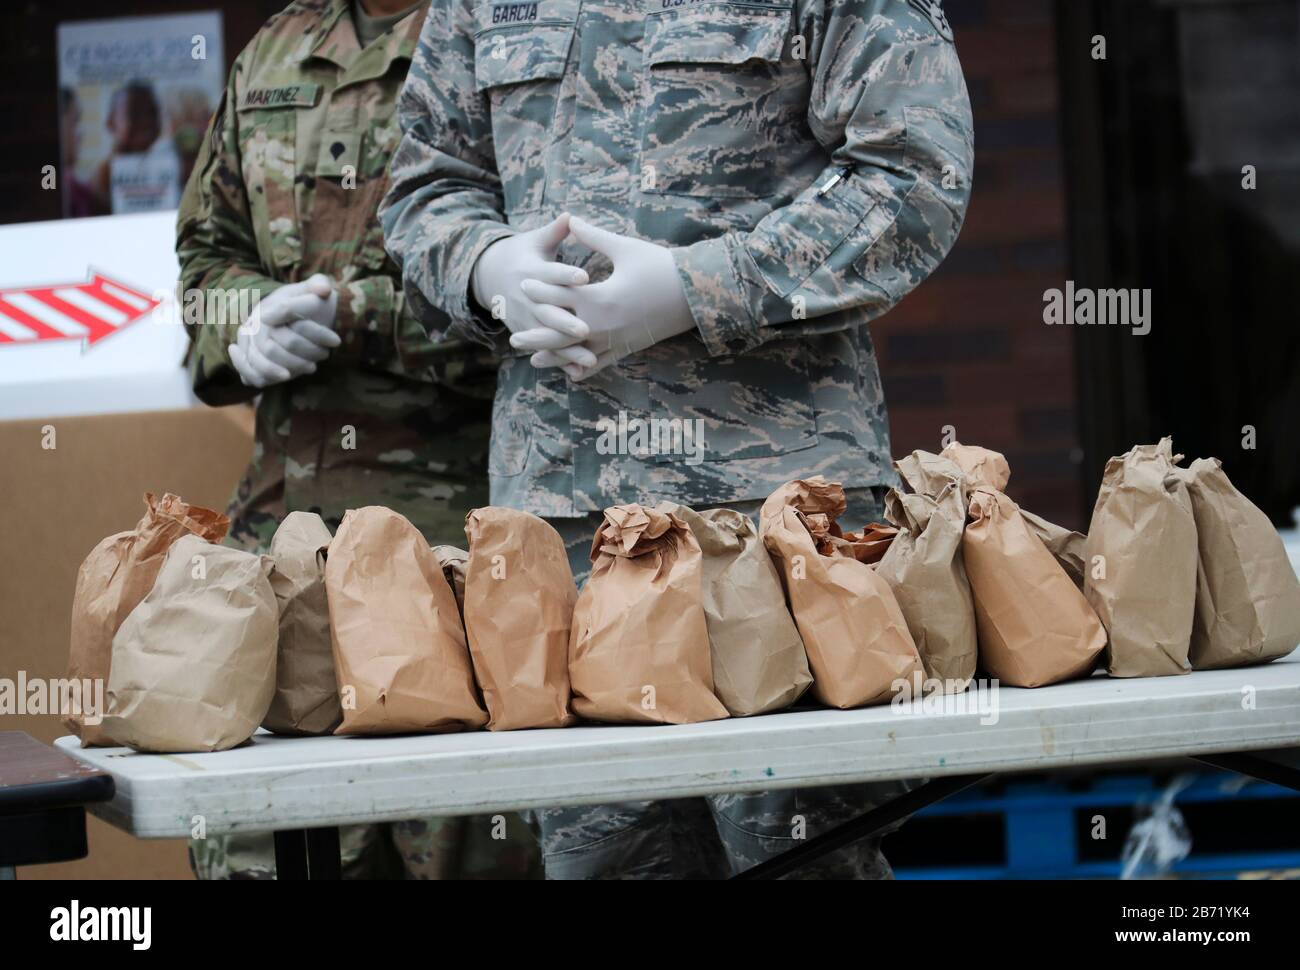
x: 808, y: 162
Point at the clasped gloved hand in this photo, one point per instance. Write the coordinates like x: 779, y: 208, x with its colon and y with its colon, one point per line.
x: 639, y: 305
x: 288, y: 333
x: 497, y: 286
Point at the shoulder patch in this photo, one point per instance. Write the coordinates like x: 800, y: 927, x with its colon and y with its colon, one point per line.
x: 932, y: 10
x: 288, y: 96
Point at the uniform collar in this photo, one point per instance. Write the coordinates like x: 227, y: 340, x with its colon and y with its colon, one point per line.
x: 337, y: 42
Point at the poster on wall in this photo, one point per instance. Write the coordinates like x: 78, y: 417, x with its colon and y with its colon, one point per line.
x: 135, y: 96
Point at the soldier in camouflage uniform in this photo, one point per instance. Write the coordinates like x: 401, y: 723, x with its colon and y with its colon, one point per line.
x: 806, y: 163
x: 287, y: 186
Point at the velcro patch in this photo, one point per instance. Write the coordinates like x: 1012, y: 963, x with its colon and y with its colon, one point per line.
x: 933, y: 11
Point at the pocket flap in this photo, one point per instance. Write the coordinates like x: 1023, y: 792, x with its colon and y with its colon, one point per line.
x: 721, y: 33
x: 814, y: 226
x: 512, y: 57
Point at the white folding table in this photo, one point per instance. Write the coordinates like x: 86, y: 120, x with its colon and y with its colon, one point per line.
x: 309, y: 786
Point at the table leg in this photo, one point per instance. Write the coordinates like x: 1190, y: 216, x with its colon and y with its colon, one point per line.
x: 48, y: 835
x: 308, y: 854
x: 862, y: 827
x: 291, y: 854
x: 324, y: 860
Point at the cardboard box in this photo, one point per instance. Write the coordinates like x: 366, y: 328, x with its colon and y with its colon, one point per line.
x: 57, y: 503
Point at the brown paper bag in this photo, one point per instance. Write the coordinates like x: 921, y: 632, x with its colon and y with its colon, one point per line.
x: 399, y: 647
x: 1067, y: 546
x: 1247, y: 595
x: 519, y: 598
x: 115, y: 577
x: 306, y: 692
x: 990, y: 468
x: 759, y: 663
x: 1034, y: 626
x: 853, y: 629
x: 454, y: 562
x: 1141, y: 552
x: 639, y: 650
x: 924, y: 567
x: 982, y: 468
x: 930, y: 475
x: 869, y: 545
x: 194, y: 663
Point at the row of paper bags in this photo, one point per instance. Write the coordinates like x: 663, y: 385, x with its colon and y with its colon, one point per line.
x: 688, y: 616
x: 1178, y: 571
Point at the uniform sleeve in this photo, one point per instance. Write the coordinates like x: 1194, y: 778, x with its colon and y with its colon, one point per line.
x: 221, y: 273
x: 890, y: 106
x: 377, y: 326
x: 444, y: 205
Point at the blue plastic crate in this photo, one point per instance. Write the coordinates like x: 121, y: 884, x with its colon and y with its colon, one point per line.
x: 1044, y: 827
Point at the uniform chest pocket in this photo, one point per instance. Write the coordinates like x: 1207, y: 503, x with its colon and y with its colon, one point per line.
x: 520, y: 67
x: 366, y: 185
x: 267, y: 137
x: 720, y: 103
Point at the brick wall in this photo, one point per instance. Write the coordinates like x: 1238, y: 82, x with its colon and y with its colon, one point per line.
x: 969, y: 348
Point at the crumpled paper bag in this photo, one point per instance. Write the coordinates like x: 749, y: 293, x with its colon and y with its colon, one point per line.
x: 306, y: 698
x: 989, y: 468
x: 454, y: 562
x: 856, y: 637
x: 519, y: 599
x: 1142, y: 553
x: 759, y: 663
x: 981, y: 467
x: 115, y: 577
x: 868, y: 546
x: 1067, y: 546
x: 924, y: 567
x: 1034, y: 626
x: 639, y: 650
x: 399, y: 648
x: 194, y: 662
x: 1247, y: 595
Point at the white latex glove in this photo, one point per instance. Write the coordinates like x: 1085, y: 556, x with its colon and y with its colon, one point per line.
x: 639, y: 305
x: 502, y: 268
x: 288, y: 333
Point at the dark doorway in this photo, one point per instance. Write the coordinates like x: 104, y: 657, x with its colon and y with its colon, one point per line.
x: 1158, y: 136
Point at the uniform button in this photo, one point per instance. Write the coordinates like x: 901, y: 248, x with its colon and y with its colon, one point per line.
x: 337, y: 149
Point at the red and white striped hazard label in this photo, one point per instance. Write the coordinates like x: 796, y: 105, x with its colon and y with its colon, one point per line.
x: 74, y: 311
